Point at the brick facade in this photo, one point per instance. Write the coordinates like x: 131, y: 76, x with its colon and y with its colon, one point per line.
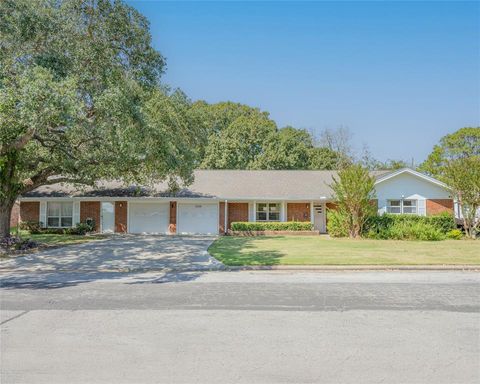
x: 90, y: 210
x: 15, y: 215
x: 172, y: 228
x: 30, y: 211
x: 298, y: 211
x: 236, y: 212
x: 121, y: 224
x: 436, y: 206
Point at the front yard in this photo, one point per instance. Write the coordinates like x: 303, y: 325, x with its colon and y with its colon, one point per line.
x: 56, y: 238
x: 319, y: 250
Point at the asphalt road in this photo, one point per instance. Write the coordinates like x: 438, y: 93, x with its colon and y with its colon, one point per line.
x: 241, y: 327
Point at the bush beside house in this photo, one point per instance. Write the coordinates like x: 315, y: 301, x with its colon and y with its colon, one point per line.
x: 399, y: 227
x: 35, y: 227
x: 243, y: 228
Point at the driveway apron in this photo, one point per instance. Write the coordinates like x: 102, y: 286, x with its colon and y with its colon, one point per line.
x: 121, y: 254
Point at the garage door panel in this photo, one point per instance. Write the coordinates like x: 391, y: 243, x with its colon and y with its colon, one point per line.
x: 197, y: 218
x: 149, y: 217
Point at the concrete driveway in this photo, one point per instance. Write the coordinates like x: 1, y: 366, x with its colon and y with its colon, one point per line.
x: 121, y: 254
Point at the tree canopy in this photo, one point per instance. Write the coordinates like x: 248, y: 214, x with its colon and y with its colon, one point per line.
x: 80, y: 99
x: 456, y: 161
x: 461, y: 144
x: 237, y: 136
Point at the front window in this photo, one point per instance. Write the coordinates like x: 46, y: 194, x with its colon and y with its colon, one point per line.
x: 268, y: 212
x: 59, y: 215
x: 402, y: 206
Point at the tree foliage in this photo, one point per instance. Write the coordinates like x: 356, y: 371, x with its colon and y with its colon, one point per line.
x: 462, y: 175
x: 288, y: 148
x: 354, y: 192
x: 456, y: 161
x: 80, y: 99
x: 461, y: 144
x: 236, y: 136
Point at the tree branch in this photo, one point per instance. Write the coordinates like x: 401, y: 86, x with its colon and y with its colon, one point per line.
x: 19, y: 143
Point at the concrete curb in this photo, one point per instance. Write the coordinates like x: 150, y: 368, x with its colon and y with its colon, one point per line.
x: 310, y: 268
x: 271, y: 268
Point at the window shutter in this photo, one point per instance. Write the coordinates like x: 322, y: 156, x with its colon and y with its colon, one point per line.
x: 421, y: 207
x: 76, y: 212
x: 43, y: 214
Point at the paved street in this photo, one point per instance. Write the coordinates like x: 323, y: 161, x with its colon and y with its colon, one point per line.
x: 241, y: 327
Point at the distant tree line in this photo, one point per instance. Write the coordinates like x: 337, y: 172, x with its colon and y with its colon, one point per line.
x: 238, y: 136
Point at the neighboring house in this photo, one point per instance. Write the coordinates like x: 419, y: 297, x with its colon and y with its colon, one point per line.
x: 223, y: 196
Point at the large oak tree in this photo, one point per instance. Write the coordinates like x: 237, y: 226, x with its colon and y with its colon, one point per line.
x: 80, y: 99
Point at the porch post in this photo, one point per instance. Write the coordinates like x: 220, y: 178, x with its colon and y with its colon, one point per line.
x: 311, y: 213
x: 225, y: 218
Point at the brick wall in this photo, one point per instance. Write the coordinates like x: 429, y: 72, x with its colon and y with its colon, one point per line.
x: 121, y: 225
x: 173, y: 217
x: 30, y: 211
x: 436, y: 206
x: 90, y: 209
x: 15, y: 215
x: 221, y: 218
x: 236, y: 212
x: 298, y: 211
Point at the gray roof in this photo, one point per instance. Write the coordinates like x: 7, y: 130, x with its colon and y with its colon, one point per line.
x: 222, y: 184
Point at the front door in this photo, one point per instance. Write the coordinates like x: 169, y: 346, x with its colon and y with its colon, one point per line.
x: 319, y: 218
x: 108, y: 217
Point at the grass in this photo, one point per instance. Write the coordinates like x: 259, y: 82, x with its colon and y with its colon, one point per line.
x: 319, y: 250
x: 57, y: 238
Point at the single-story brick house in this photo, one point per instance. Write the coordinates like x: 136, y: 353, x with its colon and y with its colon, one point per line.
x: 219, y: 197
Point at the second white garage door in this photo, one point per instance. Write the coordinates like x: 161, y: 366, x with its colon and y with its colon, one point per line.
x: 148, y: 217
x: 197, y: 218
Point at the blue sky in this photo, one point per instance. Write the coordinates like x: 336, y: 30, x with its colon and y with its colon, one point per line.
x: 399, y: 75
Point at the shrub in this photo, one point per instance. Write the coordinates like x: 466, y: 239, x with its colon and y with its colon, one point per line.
x: 31, y: 226
x: 337, y: 223
x: 10, y: 243
x: 272, y: 226
x: 455, y: 234
x: 26, y: 244
x: 403, y: 230
x: 380, y: 227
x: 54, y: 231
x: 443, y: 221
x: 81, y: 229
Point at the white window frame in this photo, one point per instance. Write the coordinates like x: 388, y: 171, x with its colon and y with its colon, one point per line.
x: 47, y: 216
x: 402, y: 206
x: 279, y: 211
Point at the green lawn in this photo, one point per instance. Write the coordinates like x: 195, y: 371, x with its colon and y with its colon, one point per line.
x: 57, y: 239
x: 320, y: 250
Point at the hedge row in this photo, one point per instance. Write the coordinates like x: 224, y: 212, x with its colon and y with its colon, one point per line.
x: 398, y: 227
x: 272, y: 226
x: 381, y: 226
x: 35, y: 227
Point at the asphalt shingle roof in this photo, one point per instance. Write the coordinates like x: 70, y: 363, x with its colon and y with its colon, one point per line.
x: 223, y: 184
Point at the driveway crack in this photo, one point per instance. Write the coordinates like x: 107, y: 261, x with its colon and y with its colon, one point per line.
x: 14, y: 317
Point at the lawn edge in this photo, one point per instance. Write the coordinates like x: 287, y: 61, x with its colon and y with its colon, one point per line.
x: 433, y: 267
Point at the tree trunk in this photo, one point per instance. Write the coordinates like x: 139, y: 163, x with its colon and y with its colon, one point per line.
x: 5, y: 214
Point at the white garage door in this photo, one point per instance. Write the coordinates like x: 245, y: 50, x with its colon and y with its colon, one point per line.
x: 197, y: 218
x: 148, y: 217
